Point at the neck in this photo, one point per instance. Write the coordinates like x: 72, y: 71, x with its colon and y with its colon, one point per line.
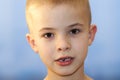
x: 77, y: 75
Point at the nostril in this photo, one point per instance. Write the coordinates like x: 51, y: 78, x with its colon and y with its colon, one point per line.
x: 64, y: 49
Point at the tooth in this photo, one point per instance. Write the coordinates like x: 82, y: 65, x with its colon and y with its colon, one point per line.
x: 67, y: 59
x: 61, y: 60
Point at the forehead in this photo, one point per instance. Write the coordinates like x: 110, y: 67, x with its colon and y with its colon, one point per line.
x: 59, y: 14
x: 61, y: 10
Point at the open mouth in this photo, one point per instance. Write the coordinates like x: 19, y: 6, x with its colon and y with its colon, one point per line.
x: 64, y: 61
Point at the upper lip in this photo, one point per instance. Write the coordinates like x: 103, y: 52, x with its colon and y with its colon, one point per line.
x: 64, y: 57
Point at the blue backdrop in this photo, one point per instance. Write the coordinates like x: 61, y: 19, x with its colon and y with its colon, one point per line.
x: 17, y: 60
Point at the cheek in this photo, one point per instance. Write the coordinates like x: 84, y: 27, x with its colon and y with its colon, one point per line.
x: 81, y: 46
x: 45, y: 50
x: 81, y: 52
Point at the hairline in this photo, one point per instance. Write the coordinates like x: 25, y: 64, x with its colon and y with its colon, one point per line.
x: 29, y: 5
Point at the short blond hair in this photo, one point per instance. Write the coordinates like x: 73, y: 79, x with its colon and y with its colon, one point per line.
x: 73, y: 3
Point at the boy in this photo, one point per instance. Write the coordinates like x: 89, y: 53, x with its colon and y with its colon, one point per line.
x: 60, y: 32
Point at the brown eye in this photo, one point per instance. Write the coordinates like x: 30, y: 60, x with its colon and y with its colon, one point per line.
x: 74, y: 31
x: 49, y: 35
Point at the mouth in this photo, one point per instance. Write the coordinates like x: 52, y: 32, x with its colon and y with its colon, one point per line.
x: 64, y: 61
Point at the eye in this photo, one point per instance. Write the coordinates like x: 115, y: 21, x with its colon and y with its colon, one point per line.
x: 48, y: 35
x: 74, y: 31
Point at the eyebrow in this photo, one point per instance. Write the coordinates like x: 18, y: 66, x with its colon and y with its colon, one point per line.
x: 76, y: 24
x: 69, y: 26
x: 46, y: 28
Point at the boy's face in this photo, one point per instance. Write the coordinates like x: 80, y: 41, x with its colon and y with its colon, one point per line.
x: 61, y: 36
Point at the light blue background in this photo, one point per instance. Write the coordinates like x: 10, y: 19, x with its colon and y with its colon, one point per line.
x: 17, y: 60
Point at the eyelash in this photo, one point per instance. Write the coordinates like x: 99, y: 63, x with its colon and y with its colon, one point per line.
x: 71, y: 32
x: 48, y: 35
x: 74, y: 31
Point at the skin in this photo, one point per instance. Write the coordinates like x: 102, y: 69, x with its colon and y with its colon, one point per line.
x: 58, y: 32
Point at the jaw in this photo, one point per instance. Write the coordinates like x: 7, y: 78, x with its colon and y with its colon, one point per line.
x: 66, y: 72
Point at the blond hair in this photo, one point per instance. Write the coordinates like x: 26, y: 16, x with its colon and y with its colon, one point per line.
x: 73, y: 3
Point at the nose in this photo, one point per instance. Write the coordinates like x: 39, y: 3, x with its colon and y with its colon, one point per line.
x: 63, y: 45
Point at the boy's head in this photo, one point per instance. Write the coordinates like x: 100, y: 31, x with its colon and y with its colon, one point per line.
x: 60, y: 32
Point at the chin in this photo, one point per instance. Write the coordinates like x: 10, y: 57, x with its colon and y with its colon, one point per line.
x: 66, y: 72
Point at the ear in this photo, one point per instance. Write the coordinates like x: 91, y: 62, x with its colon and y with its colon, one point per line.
x: 92, y: 32
x: 32, y: 42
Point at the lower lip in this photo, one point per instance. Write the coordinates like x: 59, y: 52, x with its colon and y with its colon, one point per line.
x: 64, y: 63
